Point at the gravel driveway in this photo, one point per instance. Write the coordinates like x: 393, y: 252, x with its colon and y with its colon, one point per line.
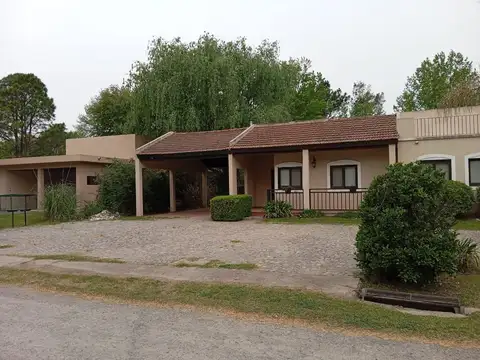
x: 302, y: 249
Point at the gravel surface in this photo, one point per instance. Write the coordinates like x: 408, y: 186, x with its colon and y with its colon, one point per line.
x: 38, y: 326
x: 302, y: 249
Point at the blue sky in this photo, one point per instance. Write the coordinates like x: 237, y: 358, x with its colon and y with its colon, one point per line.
x: 79, y: 47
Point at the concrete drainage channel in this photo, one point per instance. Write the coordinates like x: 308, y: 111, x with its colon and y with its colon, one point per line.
x: 412, y: 300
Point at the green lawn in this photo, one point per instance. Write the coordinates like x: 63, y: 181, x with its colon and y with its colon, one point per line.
x: 33, y: 218
x: 471, y: 224
x: 310, y: 307
x: 219, y: 265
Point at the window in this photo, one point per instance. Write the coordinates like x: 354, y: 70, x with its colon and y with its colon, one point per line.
x: 343, y: 176
x: 92, y: 180
x: 474, y: 172
x: 443, y: 165
x: 290, y: 177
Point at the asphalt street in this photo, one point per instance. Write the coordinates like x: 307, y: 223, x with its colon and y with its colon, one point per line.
x: 38, y: 326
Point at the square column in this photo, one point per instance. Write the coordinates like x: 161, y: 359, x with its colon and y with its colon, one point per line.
x: 138, y: 187
x: 306, y: 178
x: 392, y: 154
x: 232, y: 175
x: 173, y: 199
x: 40, y: 188
x: 204, y: 189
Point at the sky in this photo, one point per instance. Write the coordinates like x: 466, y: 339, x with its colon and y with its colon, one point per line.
x: 78, y: 47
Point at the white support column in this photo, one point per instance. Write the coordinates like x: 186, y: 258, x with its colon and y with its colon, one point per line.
x: 204, y: 189
x: 138, y: 187
x: 40, y: 188
x: 392, y: 154
x: 173, y: 198
x: 306, y: 178
x: 232, y: 175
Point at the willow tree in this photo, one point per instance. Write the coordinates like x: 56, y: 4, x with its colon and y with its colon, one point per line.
x: 210, y: 84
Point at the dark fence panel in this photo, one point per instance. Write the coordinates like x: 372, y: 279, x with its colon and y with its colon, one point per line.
x: 336, y: 200
x: 18, y: 202
x: 294, y: 197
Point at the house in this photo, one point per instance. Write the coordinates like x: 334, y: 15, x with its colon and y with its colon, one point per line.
x: 85, y: 158
x: 322, y: 164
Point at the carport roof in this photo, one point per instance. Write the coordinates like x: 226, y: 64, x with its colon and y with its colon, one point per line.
x: 360, y: 130
x: 45, y: 161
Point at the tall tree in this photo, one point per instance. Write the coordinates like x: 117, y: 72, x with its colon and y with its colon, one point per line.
x: 433, y: 80
x: 210, y: 84
x: 107, y: 113
x: 314, y: 97
x: 52, y: 141
x: 25, y: 110
x: 363, y: 101
x: 464, y: 94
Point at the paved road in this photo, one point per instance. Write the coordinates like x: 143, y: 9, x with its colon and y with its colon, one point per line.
x: 48, y: 326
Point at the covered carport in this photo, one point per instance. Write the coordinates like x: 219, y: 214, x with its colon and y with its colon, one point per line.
x: 193, y: 152
x: 30, y: 175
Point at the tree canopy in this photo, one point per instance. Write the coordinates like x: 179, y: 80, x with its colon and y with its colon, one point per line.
x: 434, y: 80
x: 25, y: 110
x: 107, y: 113
x: 364, y: 102
x: 52, y: 140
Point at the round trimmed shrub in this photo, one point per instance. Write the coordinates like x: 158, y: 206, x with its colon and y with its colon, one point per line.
x: 460, y: 198
x: 406, y: 230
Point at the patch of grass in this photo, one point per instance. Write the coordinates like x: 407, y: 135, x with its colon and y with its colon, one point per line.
x: 72, y: 257
x: 465, y: 287
x: 212, y: 264
x: 320, y: 220
x: 311, y: 307
x: 33, y: 218
x: 470, y: 224
x: 236, y: 241
x: 6, y: 246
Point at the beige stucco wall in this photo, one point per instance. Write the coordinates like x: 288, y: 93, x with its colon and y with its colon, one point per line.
x: 118, y: 146
x: 446, y: 133
x: 18, y: 182
x: 458, y: 149
x: 86, y: 193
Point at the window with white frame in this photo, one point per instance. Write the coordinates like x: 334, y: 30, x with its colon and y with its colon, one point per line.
x: 442, y: 162
x: 474, y: 172
x: 290, y: 177
x: 344, y: 174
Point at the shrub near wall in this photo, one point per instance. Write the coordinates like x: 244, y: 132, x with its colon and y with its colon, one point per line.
x: 231, y: 207
x: 460, y: 198
x: 406, y: 231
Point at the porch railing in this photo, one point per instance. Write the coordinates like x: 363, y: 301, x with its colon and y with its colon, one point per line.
x: 294, y: 197
x: 336, y: 200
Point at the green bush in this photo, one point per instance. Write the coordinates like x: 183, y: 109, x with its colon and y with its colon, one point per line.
x: 60, y: 203
x: 278, y: 209
x: 117, y: 189
x: 406, y: 231
x: 89, y: 209
x: 467, y: 255
x: 310, y: 213
x: 460, y: 198
x: 231, y: 207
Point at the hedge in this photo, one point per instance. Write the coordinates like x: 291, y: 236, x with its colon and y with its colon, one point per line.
x: 231, y: 207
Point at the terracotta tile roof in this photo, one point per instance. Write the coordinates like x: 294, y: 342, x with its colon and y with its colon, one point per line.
x: 190, y: 142
x: 331, y: 131
x: 315, y: 132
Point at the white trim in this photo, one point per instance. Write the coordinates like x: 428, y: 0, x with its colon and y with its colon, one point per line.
x: 284, y: 165
x: 441, y: 157
x: 340, y: 163
x: 467, y: 170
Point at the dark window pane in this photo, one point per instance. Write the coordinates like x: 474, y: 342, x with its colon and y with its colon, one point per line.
x: 296, y: 178
x: 284, y: 177
x: 337, y: 177
x: 474, y: 170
